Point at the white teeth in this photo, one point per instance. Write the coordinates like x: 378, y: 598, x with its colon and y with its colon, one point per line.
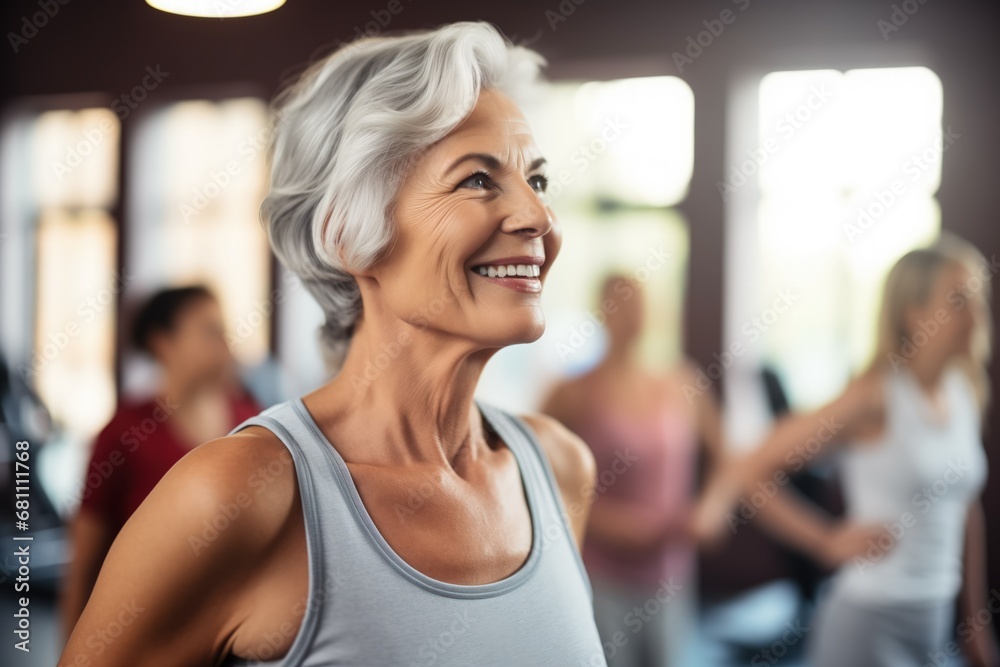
x: 504, y: 270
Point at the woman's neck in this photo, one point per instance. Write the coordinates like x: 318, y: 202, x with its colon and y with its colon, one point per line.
x: 928, y: 369
x: 404, y: 396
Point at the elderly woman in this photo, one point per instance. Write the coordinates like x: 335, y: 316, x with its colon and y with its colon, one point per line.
x: 388, y: 517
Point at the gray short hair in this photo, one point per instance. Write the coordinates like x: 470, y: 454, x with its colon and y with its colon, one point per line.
x: 343, y: 136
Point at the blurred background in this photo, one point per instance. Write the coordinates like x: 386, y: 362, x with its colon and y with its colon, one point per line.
x: 724, y: 155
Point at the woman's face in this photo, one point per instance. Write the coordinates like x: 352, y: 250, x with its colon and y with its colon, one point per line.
x: 950, y: 315
x: 474, y: 199
x: 195, y: 348
x: 623, y: 298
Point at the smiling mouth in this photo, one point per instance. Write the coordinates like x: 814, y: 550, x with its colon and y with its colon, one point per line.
x: 518, y: 277
x: 508, y: 270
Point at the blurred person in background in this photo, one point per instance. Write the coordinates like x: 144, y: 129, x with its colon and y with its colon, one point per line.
x: 644, y: 429
x: 908, y: 433
x: 199, y: 398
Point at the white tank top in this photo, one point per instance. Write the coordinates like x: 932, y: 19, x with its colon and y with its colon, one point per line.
x: 916, y: 482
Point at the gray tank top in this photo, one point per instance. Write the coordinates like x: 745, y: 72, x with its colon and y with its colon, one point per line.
x: 367, y: 607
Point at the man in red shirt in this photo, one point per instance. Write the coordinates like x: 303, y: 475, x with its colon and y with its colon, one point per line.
x: 199, y: 399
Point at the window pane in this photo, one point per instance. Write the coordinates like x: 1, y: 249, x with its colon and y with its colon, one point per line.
x: 628, y: 140
x: 75, y: 158
x: 200, y: 179
x: 73, y: 366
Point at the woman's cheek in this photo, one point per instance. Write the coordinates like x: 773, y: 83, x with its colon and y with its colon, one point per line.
x: 552, y: 242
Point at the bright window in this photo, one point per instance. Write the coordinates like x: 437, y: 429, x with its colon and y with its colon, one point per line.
x: 837, y: 184
x: 71, y: 157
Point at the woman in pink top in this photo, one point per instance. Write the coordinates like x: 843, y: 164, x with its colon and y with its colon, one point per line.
x: 644, y: 430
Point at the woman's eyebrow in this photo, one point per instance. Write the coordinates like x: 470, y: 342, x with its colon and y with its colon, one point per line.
x: 490, y: 161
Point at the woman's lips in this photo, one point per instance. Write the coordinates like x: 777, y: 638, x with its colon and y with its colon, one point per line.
x: 529, y: 284
x: 517, y: 272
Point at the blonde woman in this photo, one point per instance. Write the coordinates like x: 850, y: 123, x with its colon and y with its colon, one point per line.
x: 911, y: 455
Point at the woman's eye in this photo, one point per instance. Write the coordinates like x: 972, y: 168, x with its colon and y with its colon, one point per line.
x: 539, y: 182
x: 477, y: 180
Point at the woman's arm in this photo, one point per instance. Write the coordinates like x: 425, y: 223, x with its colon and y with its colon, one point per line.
x: 795, y: 441
x: 708, y: 416
x: 175, y: 580
x: 827, y: 540
x: 90, y: 537
x: 981, y: 646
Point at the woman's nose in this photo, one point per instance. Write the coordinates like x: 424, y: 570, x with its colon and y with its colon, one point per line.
x: 529, y: 216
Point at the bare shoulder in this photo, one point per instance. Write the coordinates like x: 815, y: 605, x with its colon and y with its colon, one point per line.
x: 252, y: 468
x: 858, y: 411
x: 865, y: 394
x: 562, y: 396
x: 571, y: 459
x: 688, y: 373
x: 198, y: 536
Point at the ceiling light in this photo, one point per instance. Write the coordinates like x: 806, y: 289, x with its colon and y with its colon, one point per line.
x: 218, y: 9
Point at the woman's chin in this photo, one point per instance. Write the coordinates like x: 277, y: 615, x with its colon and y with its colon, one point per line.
x: 528, y: 333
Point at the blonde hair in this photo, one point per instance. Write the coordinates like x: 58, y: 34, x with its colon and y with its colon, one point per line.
x: 909, y: 284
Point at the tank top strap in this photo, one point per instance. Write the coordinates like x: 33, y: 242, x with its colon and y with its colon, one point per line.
x: 520, y: 437
x: 282, y: 420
